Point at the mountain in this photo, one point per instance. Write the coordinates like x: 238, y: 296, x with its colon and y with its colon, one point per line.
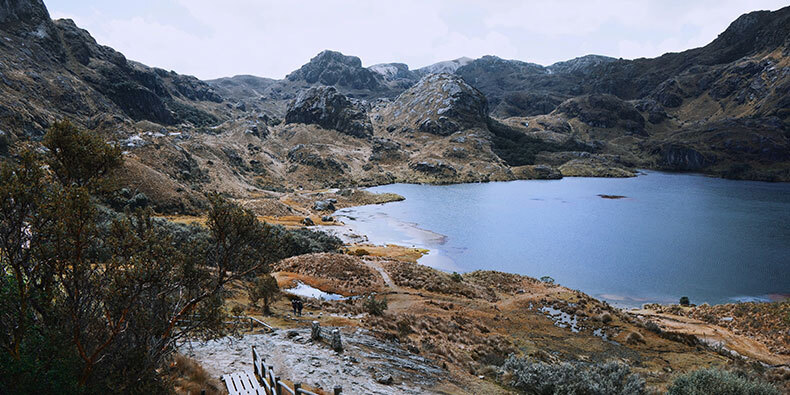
x: 721, y: 109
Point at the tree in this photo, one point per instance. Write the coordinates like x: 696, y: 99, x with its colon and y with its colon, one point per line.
x: 684, y: 301
x: 264, y: 287
x: 110, y: 293
x: 80, y: 158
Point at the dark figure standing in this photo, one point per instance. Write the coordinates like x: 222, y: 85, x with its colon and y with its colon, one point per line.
x: 295, y: 305
x: 299, y: 305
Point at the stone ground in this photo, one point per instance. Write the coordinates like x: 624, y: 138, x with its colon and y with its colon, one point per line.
x: 364, y: 361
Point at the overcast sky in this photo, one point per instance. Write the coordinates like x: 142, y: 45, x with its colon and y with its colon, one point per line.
x: 218, y: 38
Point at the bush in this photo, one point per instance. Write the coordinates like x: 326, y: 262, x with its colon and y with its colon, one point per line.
x: 573, y: 378
x: 547, y: 280
x: 375, y: 306
x: 306, y: 241
x: 605, y: 318
x: 716, y: 381
x: 456, y: 277
x: 264, y: 287
x: 684, y: 301
x: 634, y: 338
x: 360, y: 252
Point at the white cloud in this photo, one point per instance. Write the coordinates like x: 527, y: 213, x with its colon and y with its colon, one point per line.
x: 210, y: 38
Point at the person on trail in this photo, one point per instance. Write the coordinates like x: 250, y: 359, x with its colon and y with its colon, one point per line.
x: 299, y: 305
x: 295, y: 305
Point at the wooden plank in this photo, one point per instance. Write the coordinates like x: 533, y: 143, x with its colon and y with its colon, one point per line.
x: 237, y: 381
x: 254, y: 380
x: 229, y: 384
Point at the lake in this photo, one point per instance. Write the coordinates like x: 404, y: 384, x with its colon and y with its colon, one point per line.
x: 670, y: 235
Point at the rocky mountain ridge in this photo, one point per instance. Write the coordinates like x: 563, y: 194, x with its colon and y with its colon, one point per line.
x: 721, y: 109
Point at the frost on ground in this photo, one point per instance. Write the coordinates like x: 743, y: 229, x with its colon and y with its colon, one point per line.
x: 365, y: 362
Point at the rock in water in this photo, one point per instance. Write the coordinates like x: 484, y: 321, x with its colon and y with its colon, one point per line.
x: 326, y: 107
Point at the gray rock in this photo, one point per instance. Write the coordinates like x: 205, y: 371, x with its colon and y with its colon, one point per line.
x: 328, y: 108
x: 325, y: 205
x: 383, y: 378
x: 308, y: 222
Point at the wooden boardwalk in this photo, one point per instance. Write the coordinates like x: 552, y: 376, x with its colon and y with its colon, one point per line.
x: 263, y: 381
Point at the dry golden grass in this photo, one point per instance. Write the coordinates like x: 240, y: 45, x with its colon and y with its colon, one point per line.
x: 189, y: 378
x: 391, y: 251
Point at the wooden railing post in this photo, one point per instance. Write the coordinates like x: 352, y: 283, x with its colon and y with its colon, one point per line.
x: 251, y: 325
x: 278, y: 388
x: 337, y: 390
x: 297, y: 388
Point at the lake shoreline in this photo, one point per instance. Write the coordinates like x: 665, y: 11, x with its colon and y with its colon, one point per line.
x: 416, y: 234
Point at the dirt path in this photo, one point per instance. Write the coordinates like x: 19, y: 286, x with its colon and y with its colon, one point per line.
x: 387, y: 279
x: 716, y: 335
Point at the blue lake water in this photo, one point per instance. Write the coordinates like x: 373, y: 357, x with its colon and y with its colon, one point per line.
x: 672, y: 235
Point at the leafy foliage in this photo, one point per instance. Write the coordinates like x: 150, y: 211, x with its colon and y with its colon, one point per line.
x: 263, y: 288
x: 375, y: 306
x: 717, y: 381
x: 93, y: 300
x: 609, y: 378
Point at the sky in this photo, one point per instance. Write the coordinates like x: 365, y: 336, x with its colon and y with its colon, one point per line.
x: 222, y: 38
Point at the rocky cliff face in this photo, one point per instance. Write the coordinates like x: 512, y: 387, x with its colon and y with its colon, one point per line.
x: 334, y: 68
x: 440, y: 104
x: 326, y: 107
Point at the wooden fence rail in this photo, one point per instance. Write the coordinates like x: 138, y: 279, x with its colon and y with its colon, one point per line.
x: 271, y: 384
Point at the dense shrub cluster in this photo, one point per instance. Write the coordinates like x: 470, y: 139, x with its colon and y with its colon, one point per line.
x: 94, y: 301
x: 539, y: 378
x: 375, y: 306
x: 717, y: 381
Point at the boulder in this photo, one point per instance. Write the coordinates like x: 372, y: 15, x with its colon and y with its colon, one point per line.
x: 325, y: 205
x: 383, y: 378
x: 328, y: 108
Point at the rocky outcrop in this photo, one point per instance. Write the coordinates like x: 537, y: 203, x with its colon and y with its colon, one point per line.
x: 334, y: 68
x: 595, y: 167
x: 679, y: 157
x: 436, y: 168
x: 536, y: 172
x: 440, y: 104
x: 326, y: 107
x: 604, y: 111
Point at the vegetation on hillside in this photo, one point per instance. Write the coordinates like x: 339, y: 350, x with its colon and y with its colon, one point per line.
x: 93, y: 300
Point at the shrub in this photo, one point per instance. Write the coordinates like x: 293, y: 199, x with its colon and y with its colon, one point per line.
x: 634, y: 338
x: 375, y: 306
x: 306, y: 241
x: 456, y: 277
x: 653, y: 327
x: 264, y: 287
x: 360, y: 252
x: 717, y: 381
x: 572, y: 378
x: 547, y: 280
x: 684, y: 301
x: 605, y: 318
